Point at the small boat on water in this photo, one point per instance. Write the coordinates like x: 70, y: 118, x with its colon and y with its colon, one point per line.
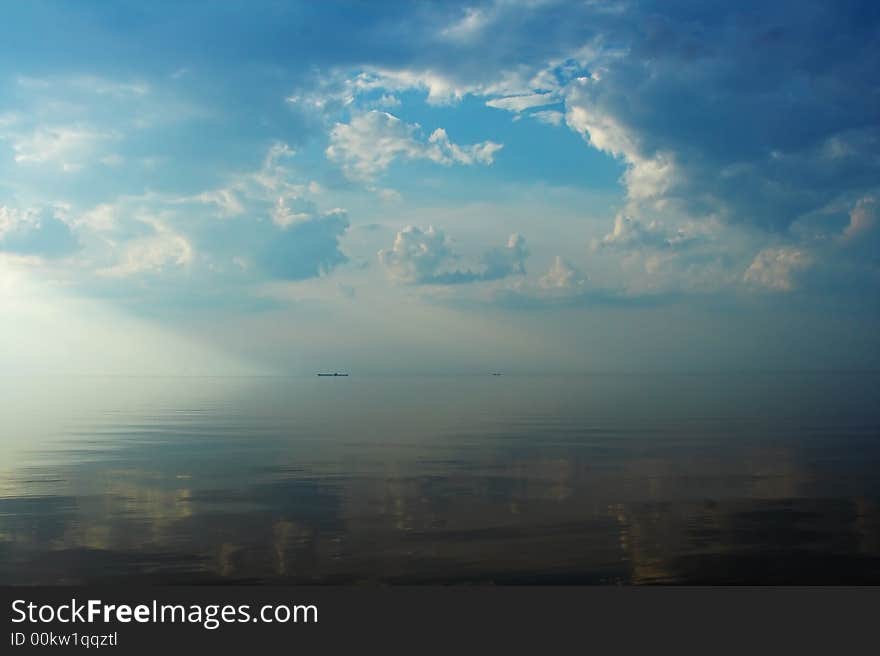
x: 333, y: 374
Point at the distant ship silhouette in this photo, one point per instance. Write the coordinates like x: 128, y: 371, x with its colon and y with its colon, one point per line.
x: 333, y: 374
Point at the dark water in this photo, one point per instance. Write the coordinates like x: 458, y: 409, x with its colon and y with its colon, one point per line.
x: 771, y: 478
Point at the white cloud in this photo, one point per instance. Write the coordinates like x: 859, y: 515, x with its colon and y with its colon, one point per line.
x: 284, y: 216
x: 631, y: 233
x: 158, y: 252
x: 10, y: 218
x: 101, y: 218
x: 716, y: 115
x: 226, y: 200
x: 341, y: 89
x: 272, y: 227
x: 505, y: 261
x: 371, y: 141
x: 441, y: 89
x: 470, y: 26
x: 338, y: 89
x: 69, y: 147
x: 425, y: 257
x: 523, y: 102
x: 416, y: 255
x: 274, y: 190
x: 39, y: 232
x: 776, y: 268
x: 446, y: 152
x: 862, y: 218
x: 561, y: 276
x: 549, y: 116
x: 647, y: 175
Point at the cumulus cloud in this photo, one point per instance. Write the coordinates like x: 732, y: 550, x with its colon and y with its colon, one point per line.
x: 441, y: 89
x: 776, y: 268
x: 300, y: 240
x: 561, y: 276
x: 101, y: 218
x: 425, y: 257
x: 274, y: 219
x: 722, y: 111
x: 284, y: 215
x: 371, y: 141
x: 718, y: 114
x: 648, y: 175
x: 731, y: 113
x: 162, y: 250
x: 561, y: 285
x: 862, y: 219
x: 263, y: 224
x: 507, y: 260
x: 416, y: 254
x: 631, y: 233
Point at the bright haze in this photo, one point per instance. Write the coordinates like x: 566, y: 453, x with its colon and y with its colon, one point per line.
x: 516, y: 186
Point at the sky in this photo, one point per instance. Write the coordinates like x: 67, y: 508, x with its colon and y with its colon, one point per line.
x: 517, y: 185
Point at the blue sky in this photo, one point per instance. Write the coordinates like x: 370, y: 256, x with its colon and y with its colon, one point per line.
x: 413, y: 187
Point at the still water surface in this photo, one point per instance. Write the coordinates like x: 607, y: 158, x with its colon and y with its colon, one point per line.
x: 764, y: 478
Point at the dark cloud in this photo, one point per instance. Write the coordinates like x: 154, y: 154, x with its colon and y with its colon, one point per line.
x: 757, y: 114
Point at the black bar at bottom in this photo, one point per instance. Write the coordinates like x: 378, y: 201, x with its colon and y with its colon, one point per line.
x: 416, y: 619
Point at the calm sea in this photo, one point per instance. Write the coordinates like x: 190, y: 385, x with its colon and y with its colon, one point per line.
x: 606, y: 479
